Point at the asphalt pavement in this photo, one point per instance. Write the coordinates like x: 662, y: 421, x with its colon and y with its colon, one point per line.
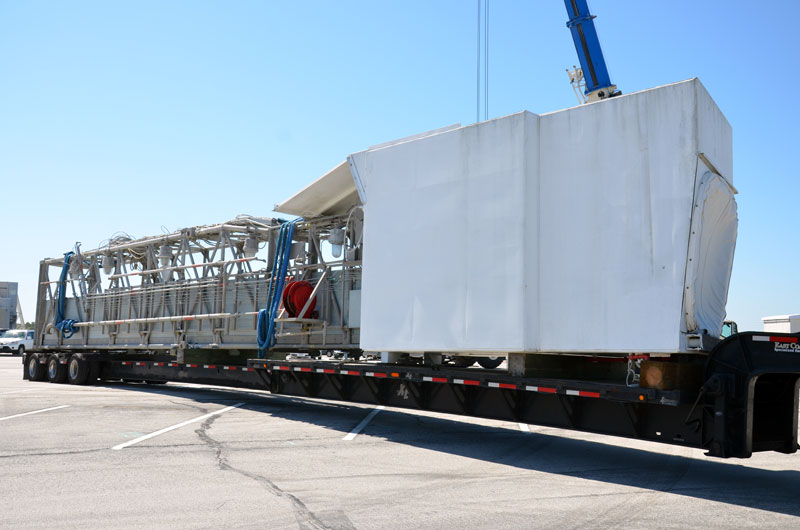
x: 181, y: 456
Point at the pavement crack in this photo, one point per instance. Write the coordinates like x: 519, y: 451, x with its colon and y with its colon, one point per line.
x: 305, y: 517
x: 55, y: 453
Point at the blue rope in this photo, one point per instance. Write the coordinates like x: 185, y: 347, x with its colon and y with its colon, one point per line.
x: 265, y: 325
x: 65, y: 325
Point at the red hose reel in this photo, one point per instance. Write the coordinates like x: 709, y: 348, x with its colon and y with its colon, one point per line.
x: 295, y: 296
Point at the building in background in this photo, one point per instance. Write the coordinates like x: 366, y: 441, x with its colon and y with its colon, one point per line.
x: 782, y: 324
x: 8, y: 305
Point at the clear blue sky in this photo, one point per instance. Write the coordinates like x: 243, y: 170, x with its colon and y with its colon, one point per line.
x: 137, y: 115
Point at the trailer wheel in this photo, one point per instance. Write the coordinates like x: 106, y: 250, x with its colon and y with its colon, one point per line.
x: 463, y: 362
x: 77, y: 370
x: 21, y: 350
x: 36, y: 371
x: 56, y: 372
x: 490, y: 363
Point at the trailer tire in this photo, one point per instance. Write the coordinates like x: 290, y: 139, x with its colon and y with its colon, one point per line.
x: 463, y: 362
x: 56, y: 372
x: 77, y: 370
x: 490, y: 363
x: 21, y: 350
x: 34, y: 369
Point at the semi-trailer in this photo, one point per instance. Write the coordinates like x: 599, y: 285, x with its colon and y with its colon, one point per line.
x: 591, y: 247
x: 600, y: 277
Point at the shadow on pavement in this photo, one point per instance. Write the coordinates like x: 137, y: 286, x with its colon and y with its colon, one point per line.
x: 725, y: 481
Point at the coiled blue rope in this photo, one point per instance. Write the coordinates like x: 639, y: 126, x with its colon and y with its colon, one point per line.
x: 265, y: 325
x: 65, y: 325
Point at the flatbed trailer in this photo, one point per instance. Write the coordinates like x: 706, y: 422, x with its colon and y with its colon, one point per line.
x: 747, y: 403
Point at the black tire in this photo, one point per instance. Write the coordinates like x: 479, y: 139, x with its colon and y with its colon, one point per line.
x: 56, y: 372
x: 463, y: 362
x: 21, y: 350
x: 34, y: 369
x: 490, y: 363
x: 77, y: 370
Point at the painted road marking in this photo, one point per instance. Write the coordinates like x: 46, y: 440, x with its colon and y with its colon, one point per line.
x: 173, y: 427
x: 360, y: 427
x: 19, y: 391
x: 34, y: 412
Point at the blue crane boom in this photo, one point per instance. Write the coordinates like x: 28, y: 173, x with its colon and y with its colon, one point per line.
x: 584, y: 34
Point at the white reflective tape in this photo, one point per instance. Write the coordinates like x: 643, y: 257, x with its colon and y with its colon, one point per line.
x: 573, y: 393
x: 458, y: 381
x: 760, y: 338
x: 532, y: 388
x: 494, y: 385
x: 426, y: 378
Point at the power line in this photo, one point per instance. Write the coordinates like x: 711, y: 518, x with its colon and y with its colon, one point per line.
x: 483, y: 12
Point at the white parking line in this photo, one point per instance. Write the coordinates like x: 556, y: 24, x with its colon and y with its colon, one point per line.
x: 173, y: 427
x: 364, y: 423
x: 18, y: 391
x: 524, y: 427
x: 34, y: 412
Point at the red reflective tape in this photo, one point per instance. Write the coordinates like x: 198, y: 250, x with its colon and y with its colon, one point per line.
x: 140, y: 364
x: 172, y: 364
x: 209, y: 366
x: 126, y: 363
x: 302, y: 369
x: 376, y: 374
x: 284, y: 368
x: 191, y: 366
x: 439, y: 379
x: 783, y: 339
x: 547, y: 390
x: 229, y: 368
x: 508, y: 385
x: 349, y: 372
x: 328, y: 371
x: 584, y: 393
x: 158, y: 364
x: 246, y: 369
x: 470, y: 382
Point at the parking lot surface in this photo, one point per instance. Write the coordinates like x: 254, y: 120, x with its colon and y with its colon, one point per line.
x: 177, y: 456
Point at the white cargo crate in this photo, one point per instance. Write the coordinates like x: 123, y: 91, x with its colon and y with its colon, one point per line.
x: 608, y: 227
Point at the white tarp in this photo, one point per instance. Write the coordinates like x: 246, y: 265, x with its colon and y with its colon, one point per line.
x: 566, y: 232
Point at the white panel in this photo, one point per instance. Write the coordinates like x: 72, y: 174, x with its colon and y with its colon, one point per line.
x: 567, y: 232
x: 331, y: 194
x: 444, y: 250
x: 714, y: 133
x: 617, y: 179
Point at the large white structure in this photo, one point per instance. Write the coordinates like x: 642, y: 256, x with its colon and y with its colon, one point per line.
x: 782, y: 324
x: 608, y: 227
